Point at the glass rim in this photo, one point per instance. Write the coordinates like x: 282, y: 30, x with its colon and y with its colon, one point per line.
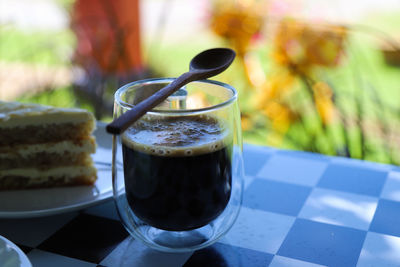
x: 124, y: 88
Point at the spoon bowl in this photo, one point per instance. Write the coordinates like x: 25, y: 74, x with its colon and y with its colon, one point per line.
x: 204, y: 65
x: 216, y: 59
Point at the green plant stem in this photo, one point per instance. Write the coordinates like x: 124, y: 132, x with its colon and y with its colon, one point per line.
x: 308, y: 82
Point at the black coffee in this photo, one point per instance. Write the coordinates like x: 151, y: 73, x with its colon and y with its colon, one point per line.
x: 177, y: 171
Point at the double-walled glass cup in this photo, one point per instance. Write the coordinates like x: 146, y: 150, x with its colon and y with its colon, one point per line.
x: 178, y: 172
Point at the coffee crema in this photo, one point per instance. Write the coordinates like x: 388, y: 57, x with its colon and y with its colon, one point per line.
x: 179, y: 136
x: 177, y: 171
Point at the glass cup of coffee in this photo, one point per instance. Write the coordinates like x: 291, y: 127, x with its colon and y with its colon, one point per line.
x: 178, y: 171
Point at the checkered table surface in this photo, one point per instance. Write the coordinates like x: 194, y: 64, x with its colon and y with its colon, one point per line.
x: 299, y: 209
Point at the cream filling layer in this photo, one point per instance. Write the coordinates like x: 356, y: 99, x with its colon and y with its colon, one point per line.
x: 24, y: 151
x: 59, y: 172
x: 14, y: 114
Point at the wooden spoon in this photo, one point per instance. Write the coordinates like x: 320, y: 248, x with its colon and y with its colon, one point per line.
x: 204, y: 65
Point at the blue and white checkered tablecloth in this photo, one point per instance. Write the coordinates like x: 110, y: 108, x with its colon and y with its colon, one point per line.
x: 299, y: 209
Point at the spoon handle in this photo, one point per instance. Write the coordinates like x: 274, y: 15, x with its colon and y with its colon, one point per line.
x: 120, y: 124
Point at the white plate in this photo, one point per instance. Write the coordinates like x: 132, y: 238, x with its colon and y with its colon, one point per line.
x: 11, y: 255
x: 42, y: 202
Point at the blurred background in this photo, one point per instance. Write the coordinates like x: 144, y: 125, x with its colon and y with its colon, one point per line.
x: 320, y: 76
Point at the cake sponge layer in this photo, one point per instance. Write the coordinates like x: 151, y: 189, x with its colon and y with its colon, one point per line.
x: 43, y: 146
x: 64, y: 153
x: 34, y: 178
x: 15, y: 114
x: 33, y: 123
x: 48, y: 133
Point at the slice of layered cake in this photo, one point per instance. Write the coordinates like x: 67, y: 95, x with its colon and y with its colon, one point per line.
x: 42, y: 146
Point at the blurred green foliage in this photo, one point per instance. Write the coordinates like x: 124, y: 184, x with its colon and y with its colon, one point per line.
x: 43, y: 47
x: 365, y: 78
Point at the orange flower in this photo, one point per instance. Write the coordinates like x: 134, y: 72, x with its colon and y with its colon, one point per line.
x: 271, y: 100
x: 280, y: 115
x: 246, y: 122
x: 304, y: 45
x: 275, y: 87
x: 323, y: 102
x: 237, y: 21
